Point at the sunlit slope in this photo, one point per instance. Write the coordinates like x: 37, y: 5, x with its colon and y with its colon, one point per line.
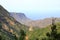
x: 9, y: 24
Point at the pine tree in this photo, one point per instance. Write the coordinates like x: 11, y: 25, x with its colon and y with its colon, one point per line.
x: 0, y: 37
x: 22, y: 35
x: 53, y: 34
x: 0, y: 25
x: 15, y: 37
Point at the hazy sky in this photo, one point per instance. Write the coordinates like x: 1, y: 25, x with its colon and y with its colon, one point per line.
x: 34, y: 9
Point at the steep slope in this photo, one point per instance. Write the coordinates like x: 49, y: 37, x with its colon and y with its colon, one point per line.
x: 20, y: 17
x: 9, y: 25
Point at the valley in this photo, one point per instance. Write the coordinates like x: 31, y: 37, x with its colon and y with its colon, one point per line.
x: 16, y: 26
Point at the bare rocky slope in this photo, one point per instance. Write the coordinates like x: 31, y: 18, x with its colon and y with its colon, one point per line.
x: 20, y: 17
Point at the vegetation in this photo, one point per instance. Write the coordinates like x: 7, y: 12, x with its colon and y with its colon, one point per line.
x: 53, y: 35
x: 51, y: 32
x: 22, y: 35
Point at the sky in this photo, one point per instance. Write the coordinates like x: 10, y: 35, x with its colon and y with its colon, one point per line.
x: 33, y: 9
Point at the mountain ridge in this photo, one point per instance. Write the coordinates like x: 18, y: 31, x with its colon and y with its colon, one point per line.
x: 37, y: 23
x: 20, y: 17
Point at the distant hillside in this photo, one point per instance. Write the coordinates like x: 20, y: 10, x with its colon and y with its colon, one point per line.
x: 9, y: 25
x: 20, y: 17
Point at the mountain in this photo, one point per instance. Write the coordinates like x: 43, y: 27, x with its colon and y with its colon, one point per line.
x: 45, y: 22
x: 8, y: 25
x: 11, y: 23
x: 20, y: 17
